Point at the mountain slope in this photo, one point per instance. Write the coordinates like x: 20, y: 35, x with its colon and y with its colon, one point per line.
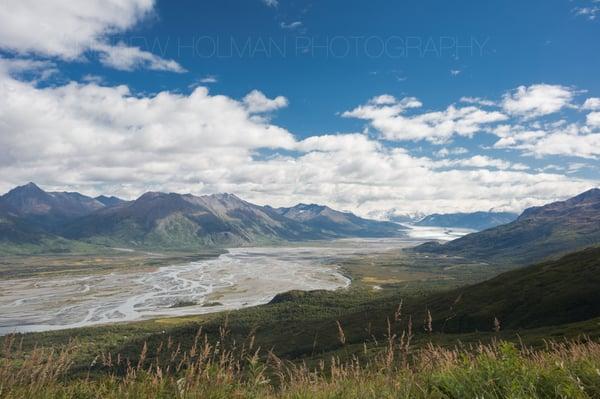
x: 539, y: 232
x: 475, y: 220
x: 29, y: 215
x: 109, y: 201
x: 551, y: 293
x: 14, y: 230
x: 336, y: 224
x: 187, y: 221
x: 20, y: 237
x: 47, y: 209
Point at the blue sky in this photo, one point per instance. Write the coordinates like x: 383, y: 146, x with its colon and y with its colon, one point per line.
x: 376, y: 107
x: 401, y: 48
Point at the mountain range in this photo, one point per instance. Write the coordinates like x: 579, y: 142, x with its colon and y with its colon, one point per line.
x: 474, y: 220
x: 30, y: 215
x: 539, y: 232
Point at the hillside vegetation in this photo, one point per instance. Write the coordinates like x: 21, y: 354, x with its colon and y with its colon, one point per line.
x: 547, y: 231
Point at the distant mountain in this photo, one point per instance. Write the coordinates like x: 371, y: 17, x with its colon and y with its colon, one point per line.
x: 539, y: 232
x: 335, y: 223
x: 395, y: 215
x: 110, y: 201
x: 188, y: 221
x: 47, y: 209
x: 475, y: 220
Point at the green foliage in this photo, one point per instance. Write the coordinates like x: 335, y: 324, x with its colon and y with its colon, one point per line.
x: 550, y: 293
x: 46, y: 245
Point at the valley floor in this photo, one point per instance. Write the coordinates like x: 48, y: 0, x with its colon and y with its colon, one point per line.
x: 68, y: 291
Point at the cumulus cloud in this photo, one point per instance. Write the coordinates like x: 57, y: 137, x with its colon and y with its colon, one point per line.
x: 128, y: 58
x: 108, y: 133
x: 537, y: 100
x: 36, y: 69
x: 590, y: 12
x: 481, y: 161
x: 478, y: 101
x: 291, y: 25
x: 67, y: 29
x: 593, y: 119
x: 558, y: 139
x: 444, y: 152
x: 104, y: 139
x: 257, y: 102
x: 209, y: 79
x: 592, y: 104
x: 388, y: 116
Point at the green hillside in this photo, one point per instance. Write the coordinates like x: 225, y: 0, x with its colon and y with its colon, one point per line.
x: 551, y: 293
x: 548, y: 231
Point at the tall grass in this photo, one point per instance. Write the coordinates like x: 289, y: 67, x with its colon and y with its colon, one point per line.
x: 224, y: 368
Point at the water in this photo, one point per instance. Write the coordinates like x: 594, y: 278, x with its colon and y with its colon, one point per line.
x: 437, y: 233
x: 242, y: 277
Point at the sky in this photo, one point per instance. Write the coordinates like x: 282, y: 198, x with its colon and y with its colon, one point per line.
x: 380, y: 108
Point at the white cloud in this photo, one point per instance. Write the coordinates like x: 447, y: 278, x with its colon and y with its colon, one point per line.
x: 593, y: 119
x: 67, y: 29
x: 481, y: 161
x: 564, y: 143
x: 592, y: 104
x: 444, y: 152
x: 102, y: 139
x: 271, y: 3
x: 257, y: 102
x: 291, y: 25
x: 455, y: 72
x: 349, y: 143
x: 478, y: 101
x: 90, y: 78
x: 576, y: 166
x: 128, y: 58
x: 537, y: 100
x: 516, y: 136
x: 90, y: 133
x: 557, y: 139
x: 590, y: 12
x: 387, y: 115
x: 40, y: 70
x: 209, y: 79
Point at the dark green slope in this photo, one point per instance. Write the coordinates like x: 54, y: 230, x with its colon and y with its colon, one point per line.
x: 551, y: 293
x: 540, y: 232
x: 545, y: 295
